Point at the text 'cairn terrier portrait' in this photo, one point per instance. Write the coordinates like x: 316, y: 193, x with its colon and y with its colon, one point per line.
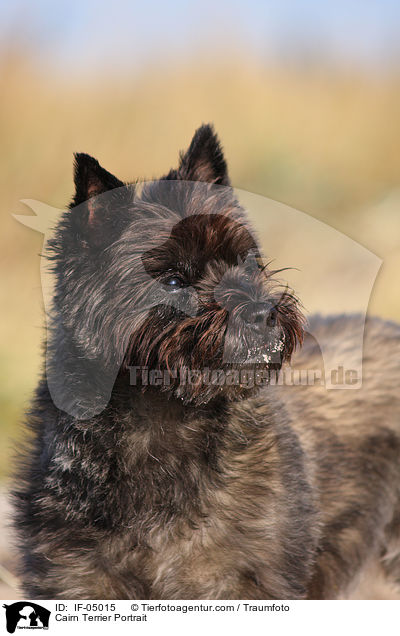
x: 155, y: 469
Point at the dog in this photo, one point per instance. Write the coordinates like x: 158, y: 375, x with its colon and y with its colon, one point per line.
x: 154, y: 469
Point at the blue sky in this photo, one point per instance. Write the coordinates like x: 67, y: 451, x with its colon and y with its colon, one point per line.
x: 120, y: 33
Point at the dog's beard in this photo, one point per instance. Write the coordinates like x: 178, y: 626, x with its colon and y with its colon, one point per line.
x: 244, y: 346
x: 203, y: 357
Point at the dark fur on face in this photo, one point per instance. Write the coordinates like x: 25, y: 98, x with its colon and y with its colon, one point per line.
x: 199, y: 489
x: 240, y: 309
x: 226, y: 311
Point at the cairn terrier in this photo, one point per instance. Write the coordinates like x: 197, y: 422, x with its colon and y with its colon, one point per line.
x: 155, y: 469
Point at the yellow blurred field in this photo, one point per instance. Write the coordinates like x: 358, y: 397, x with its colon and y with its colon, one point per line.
x: 324, y: 142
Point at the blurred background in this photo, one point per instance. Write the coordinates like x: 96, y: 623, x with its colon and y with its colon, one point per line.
x: 305, y: 96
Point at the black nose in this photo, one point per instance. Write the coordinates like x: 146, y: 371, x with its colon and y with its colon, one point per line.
x: 260, y: 316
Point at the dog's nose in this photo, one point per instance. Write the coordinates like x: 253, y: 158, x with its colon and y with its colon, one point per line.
x: 261, y: 316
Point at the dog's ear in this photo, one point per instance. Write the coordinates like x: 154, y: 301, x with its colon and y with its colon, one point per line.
x: 94, y: 215
x: 91, y: 179
x: 204, y: 159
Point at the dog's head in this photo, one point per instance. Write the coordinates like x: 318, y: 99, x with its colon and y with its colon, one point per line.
x: 167, y: 275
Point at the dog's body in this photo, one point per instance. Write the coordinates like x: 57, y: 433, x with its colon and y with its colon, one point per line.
x: 199, y: 491
x: 351, y: 439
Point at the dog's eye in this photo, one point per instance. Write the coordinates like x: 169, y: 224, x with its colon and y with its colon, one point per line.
x: 174, y: 282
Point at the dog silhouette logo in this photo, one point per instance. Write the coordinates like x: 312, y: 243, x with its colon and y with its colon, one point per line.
x: 26, y: 615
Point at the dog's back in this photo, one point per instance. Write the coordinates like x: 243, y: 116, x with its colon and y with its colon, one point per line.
x: 352, y: 440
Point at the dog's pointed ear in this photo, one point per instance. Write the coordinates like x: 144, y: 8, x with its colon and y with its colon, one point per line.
x: 96, y: 218
x: 204, y: 159
x: 91, y: 179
